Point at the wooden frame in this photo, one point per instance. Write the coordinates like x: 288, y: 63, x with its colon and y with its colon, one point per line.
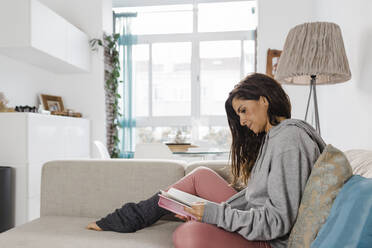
x: 52, y: 103
x: 272, y: 61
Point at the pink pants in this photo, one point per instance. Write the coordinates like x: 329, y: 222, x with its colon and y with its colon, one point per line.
x: 207, y: 184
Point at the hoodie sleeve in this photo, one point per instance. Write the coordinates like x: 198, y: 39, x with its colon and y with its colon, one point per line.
x: 286, y: 182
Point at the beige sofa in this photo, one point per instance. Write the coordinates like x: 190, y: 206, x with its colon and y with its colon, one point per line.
x: 74, y: 193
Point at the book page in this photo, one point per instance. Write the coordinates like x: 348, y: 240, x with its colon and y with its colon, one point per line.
x: 183, y: 197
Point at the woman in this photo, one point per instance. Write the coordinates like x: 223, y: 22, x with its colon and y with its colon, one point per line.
x: 271, y: 154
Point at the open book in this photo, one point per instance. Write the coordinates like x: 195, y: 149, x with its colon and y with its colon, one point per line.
x: 176, y: 200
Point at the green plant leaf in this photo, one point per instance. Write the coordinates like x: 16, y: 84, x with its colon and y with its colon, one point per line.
x: 116, y: 36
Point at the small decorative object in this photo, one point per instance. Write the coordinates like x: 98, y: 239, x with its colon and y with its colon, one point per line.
x: 76, y: 114
x: 52, y: 103
x: 180, y: 137
x: 3, y: 103
x: 72, y: 113
x: 41, y: 110
x: 26, y: 108
x: 62, y: 113
x: 179, y: 142
x: 67, y: 113
x: 273, y: 56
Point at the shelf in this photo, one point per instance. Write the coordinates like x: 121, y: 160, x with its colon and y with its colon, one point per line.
x: 33, y: 33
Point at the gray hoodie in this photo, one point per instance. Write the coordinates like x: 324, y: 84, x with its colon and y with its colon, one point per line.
x: 267, y: 208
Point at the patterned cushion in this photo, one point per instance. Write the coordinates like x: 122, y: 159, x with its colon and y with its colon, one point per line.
x: 329, y: 174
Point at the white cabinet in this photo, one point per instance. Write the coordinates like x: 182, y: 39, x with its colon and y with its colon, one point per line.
x: 27, y: 141
x: 32, y: 32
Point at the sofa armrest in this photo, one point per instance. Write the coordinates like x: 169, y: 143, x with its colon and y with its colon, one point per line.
x: 94, y: 188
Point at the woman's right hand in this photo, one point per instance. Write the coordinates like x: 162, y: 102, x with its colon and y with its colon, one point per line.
x: 93, y: 226
x: 188, y: 218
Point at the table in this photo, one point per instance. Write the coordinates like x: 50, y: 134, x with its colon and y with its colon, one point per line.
x: 205, y: 155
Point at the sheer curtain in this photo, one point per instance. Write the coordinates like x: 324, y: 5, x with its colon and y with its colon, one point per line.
x: 128, y: 121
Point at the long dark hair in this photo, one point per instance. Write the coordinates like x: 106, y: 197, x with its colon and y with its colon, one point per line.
x: 245, y: 143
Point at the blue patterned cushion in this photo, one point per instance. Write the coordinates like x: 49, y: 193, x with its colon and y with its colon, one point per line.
x: 350, y: 222
x: 327, y: 177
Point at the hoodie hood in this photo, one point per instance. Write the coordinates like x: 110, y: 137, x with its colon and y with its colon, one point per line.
x: 314, y: 135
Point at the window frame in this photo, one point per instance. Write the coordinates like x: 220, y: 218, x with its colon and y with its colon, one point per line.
x: 194, y: 38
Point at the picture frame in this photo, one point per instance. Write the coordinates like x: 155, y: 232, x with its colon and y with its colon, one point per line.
x: 273, y: 56
x: 52, y: 103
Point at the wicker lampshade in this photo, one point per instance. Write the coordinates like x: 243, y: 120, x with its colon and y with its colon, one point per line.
x: 313, y: 49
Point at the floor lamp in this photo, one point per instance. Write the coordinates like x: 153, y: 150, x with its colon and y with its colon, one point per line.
x: 313, y: 54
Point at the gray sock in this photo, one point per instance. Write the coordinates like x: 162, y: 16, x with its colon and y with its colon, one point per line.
x: 133, y: 216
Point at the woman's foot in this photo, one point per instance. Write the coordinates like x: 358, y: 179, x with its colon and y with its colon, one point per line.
x: 93, y: 226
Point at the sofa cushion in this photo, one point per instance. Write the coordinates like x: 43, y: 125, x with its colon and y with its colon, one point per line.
x: 350, y: 222
x: 70, y: 232
x: 361, y: 162
x: 94, y: 188
x: 329, y: 174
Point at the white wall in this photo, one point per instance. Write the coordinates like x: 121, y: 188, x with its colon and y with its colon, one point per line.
x: 21, y: 82
x: 82, y: 92
x: 107, y: 17
x: 346, y: 109
x: 276, y: 18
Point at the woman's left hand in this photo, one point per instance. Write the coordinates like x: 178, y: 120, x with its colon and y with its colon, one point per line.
x: 197, y: 209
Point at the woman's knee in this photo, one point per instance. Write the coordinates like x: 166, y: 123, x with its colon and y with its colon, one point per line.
x: 203, y: 171
x: 190, y: 235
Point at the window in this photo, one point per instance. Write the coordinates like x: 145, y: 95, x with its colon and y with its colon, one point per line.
x: 156, y: 19
x: 219, y: 72
x: 227, y: 16
x: 186, y: 60
x: 171, y: 81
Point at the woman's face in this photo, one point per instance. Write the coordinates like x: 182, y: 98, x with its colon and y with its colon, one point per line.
x: 253, y: 114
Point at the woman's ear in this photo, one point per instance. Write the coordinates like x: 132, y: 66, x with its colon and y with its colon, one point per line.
x: 264, y: 101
